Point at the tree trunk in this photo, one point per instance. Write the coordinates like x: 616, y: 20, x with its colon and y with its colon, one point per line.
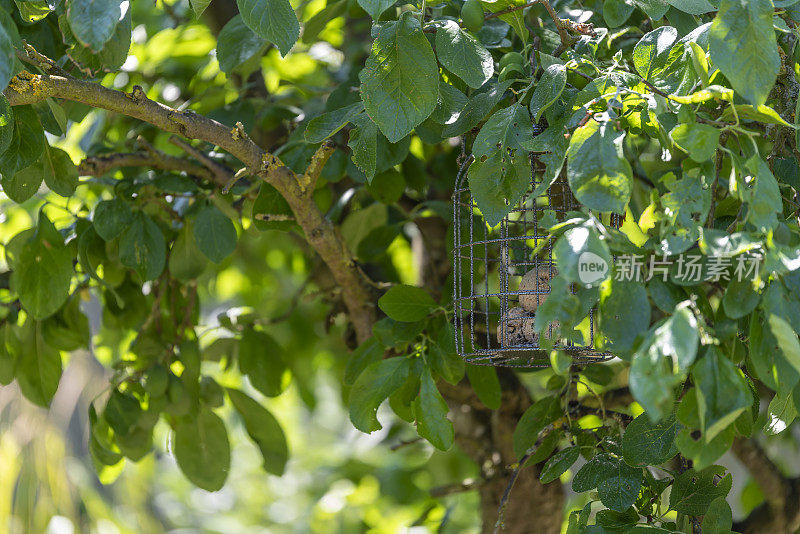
x: 486, y: 436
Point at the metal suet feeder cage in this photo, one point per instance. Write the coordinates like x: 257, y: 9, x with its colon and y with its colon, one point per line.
x: 491, y: 324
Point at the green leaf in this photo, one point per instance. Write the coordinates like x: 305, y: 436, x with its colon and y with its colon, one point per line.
x: 199, y: 6
x: 214, y: 233
x: 390, y: 333
x: 93, y: 21
x: 122, y: 412
x: 430, y: 412
x: 558, y: 464
x: 443, y: 358
x: 693, y: 7
x: 273, y: 20
x: 22, y: 185
x: 661, y: 364
x: 617, y: 12
x: 722, y: 394
x: 327, y: 124
x: 533, y: 421
x: 43, y: 271
x: 655, y: 9
x: 375, y: 7
x: 6, y: 117
x: 553, y: 145
x: 27, y: 143
x: 462, y: 55
x: 699, y: 140
x: 781, y: 412
x: 484, y: 381
x: 646, y: 443
x: 507, y: 130
x: 271, y: 211
x: 617, y: 483
x: 475, y: 110
x: 367, y: 353
x: 202, y: 450
x: 497, y: 184
x: 500, y: 173
x: 764, y: 200
x: 702, y: 452
x: 740, y: 298
x: 373, y: 386
x: 548, y: 89
x: 742, y: 44
x: 60, y: 173
x: 111, y: 217
x: 624, y: 314
x: 583, y: 256
x: 451, y: 102
x: 363, y: 143
x: 111, y: 57
x: 718, y: 519
x: 69, y: 328
x: 38, y: 366
x: 400, y: 80
x: 787, y: 340
x: 186, y: 262
x: 514, y: 18
x: 652, y: 52
x: 261, y: 359
x: 598, y: 174
x: 236, y: 44
x: 764, y: 114
x: 693, y: 491
x: 264, y: 430
x: 142, y: 247
x: 407, y: 303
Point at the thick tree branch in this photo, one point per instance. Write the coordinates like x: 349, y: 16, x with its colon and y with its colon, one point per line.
x: 27, y: 88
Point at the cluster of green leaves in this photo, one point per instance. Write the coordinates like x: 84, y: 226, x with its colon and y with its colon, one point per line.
x: 677, y: 115
x: 699, y: 87
x: 416, y: 328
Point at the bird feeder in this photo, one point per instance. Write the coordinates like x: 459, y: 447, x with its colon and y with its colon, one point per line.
x: 502, y: 275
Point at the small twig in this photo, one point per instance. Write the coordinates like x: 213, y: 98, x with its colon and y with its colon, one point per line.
x: 469, y: 484
x: 292, y: 305
x: 222, y: 173
x: 405, y: 443
x: 30, y: 55
x: 564, y: 26
x: 308, y: 181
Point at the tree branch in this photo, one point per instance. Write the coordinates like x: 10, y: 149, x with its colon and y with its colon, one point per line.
x: 221, y: 174
x: 100, y: 165
x: 564, y: 26
x: 775, y: 486
x: 318, y: 161
x: 27, y: 88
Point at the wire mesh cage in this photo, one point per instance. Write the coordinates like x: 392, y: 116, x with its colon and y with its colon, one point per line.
x: 502, y: 275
